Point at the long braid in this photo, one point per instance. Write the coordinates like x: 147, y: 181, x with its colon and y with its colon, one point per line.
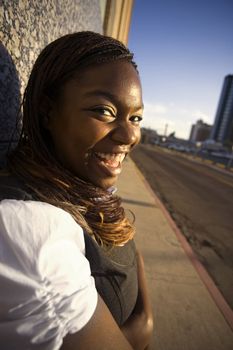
x: 96, y: 210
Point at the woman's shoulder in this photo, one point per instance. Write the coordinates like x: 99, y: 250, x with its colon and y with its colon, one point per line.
x: 27, y: 228
x: 28, y: 225
x: 33, y: 223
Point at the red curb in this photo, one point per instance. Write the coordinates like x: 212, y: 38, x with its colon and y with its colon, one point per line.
x: 218, y: 298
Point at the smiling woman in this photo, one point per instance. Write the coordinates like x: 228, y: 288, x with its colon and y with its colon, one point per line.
x: 96, y: 122
x: 68, y: 246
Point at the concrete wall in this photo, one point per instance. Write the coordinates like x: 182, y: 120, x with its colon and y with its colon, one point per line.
x: 29, y: 25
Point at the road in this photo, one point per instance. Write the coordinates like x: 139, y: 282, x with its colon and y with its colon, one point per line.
x: 200, y: 200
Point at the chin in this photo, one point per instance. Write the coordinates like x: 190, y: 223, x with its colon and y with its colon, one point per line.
x: 104, y: 183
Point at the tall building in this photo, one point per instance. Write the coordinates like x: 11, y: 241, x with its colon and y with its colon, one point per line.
x: 200, y: 131
x: 222, y: 130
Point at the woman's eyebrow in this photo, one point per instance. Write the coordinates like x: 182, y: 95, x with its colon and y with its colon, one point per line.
x: 109, y: 96
x: 102, y: 94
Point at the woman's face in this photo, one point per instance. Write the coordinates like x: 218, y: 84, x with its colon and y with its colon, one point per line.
x: 96, y: 121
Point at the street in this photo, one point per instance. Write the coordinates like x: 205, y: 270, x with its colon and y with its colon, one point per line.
x: 200, y: 200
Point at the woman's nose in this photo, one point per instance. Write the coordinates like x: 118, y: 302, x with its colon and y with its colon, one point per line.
x: 126, y: 134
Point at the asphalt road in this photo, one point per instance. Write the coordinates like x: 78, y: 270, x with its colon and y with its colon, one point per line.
x: 200, y: 200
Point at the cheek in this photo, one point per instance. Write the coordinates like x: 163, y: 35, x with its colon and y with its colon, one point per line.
x: 88, y: 134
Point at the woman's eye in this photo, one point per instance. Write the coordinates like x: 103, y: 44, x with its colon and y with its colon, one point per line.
x: 105, y: 112
x: 136, y: 119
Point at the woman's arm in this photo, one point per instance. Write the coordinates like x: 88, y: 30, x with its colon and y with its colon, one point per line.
x: 100, y: 333
x: 139, y: 327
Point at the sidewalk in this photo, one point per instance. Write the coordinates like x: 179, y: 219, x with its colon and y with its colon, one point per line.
x: 186, y: 315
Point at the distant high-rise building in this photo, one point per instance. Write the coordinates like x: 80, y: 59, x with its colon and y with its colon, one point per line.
x: 200, y: 131
x: 222, y: 130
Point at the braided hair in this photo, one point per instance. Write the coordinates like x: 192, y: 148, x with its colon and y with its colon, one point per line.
x: 98, y: 211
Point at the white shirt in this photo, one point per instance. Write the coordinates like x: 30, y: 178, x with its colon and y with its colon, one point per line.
x: 46, y: 287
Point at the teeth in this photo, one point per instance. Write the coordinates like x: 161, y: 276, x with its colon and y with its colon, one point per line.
x: 118, y: 157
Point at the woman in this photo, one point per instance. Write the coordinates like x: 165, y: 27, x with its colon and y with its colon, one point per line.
x: 70, y: 273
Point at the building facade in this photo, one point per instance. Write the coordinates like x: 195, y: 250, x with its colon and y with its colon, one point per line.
x: 222, y: 130
x: 200, y: 131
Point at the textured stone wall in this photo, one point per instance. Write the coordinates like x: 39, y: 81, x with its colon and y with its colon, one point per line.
x: 29, y: 25
x: 26, y: 27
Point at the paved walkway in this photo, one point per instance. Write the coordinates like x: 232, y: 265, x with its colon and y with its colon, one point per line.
x: 186, y: 314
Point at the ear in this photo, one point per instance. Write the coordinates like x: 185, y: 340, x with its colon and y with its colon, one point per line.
x: 46, y: 111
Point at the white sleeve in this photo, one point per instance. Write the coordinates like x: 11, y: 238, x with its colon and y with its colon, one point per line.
x: 47, y: 290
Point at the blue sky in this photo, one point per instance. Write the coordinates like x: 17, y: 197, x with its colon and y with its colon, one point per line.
x: 183, y: 49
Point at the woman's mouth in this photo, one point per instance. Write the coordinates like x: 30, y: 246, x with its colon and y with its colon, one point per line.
x: 110, y: 162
